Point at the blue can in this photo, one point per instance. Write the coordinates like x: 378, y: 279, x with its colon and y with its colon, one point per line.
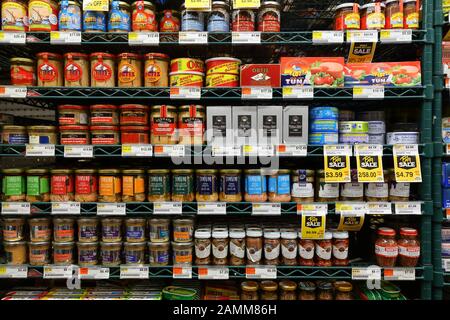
x: 69, y: 17
x: 324, y: 113
x: 119, y: 17
x: 324, y: 126
x: 219, y: 18
x: 94, y: 21
x: 192, y: 20
x: 319, y: 139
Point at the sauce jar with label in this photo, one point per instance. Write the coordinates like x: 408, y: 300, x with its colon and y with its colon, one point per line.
x: 163, y: 123
x: 143, y: 17
x: 158, y: 253
x: 269, y: 290
x: 170, y: 21
x: 408, y: 247
x: 13, y: 185
x: 87, y: 229
x: 38, y: 185
x: 109, y: 185
x: 104, y: 114
x: 288, y: 290
x: 12, y: 229
x: 40, y: 229
x: 254, y: 245
x: 76, y: 69
x: 220, y: 246
x: 103, y: 135
x: 183, y: 230
x: 63, y: 229
x: 22, y: 72
x: 249, y: 290
x: 129, y: 70
x: 42, y: 135
x: 14, y: 134
x: 243, y: 20
x: 289, y: 247
x: 70, y: 114
x: 156, y: 70
x: 182, y: 253
x: 86, y: 185
x: 183, y: 185
x: 135, y: 229
x: 237, y: 246
x: 398, y: 191
x: 347, y: 16
x: 158, y: 185
x: 307, y: 290
x: 74, y: 134
x: 63, y: 253
x: 410, y: 14
x: 87, y: 253
x: 133, y: 185
x: 49, y: 69
x: 378, y: 191
x: 15, y: 252
x: 206, y: 185
x: 269, y: 16
x: 302, y: 190
x: 326, y: 192
x: 159, y: 230
x: 255, y: 186
x: 394, y: 14
x: 62, y: 186
x: 324, y: 248
x: 39, y: 253
x: 280, y: 186
x: 230, y: 185
x: 191, y: 124
x: 340, y: 248
x: 354, y: 190
x: 103, y: 70
x: 373, y: 16
x: 202, y: 246
x: 119, y: 17
x: 306, y: 250
x: 386, y: 247
x: 272, y: 246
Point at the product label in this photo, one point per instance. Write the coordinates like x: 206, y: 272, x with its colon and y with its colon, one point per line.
x: 269, y: 21
x: 412, y: 20
x: 280, y: 184
x: 182, y: 185
x: 135, y: 232
x: 85, y: 184
x: 39, y: 232
x: 101, y: 72
x: 61, y: 185
x: 143, y: 19
x: 219, y: 126
x: 110, y: 232
x: 69, y: 16
x: 253, y: 255
x: 14, y: 16
x: 102, y: 138
x: 244, y: 126
x: 158, y: 185
x: 230, y: 185
x: 220, y: 252
x: 302, y: 190
x: 132, y: 185
x: 323, y: 252
x: 87, y: 255
x: 295, y: 126
x: 133, y: 256
x: 255, y: 185
x: 395, y: 20
x: 271, y: 252
x: 152, y: 73
x: 202, y: 251
x: 74, y: 138
x: 17, y: 138
x: 236, y: 250
x: 163, y: 126
x: 47, y: 72
x: 21, y: 76
x: 351, y: 21
x: 118, y: 19
x: 270, y: 128
x: 37, y: 185
x: 400, y: 189
x: 109, y: 186
x: 377, y: 190
x: 375, y: 20
x: 329, y: 190
x: 410, y: 252
x: 127, y: 72
x: 39, y: 255
x: 206, y: 185
x: 42, y: 16
x: 340, y: 252
x: 386, y: 251
x: 87, y: 232
x: 352, y: 190
x: 289, y: 250
x: 94, y: 21
x: 191, y: 126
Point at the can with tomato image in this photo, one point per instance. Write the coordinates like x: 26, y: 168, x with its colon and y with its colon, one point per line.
x: 187, y: 64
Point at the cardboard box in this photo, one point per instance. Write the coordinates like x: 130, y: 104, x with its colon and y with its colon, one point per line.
x: 270, y: 124
x: 295, y: 124
x: 312, y: 71
x: 245, y: 125
x: 219, y: 125
x: 260, y: 75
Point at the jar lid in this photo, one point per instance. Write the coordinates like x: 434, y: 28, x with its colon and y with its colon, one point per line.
x: 183, y: 221
x: 21, y: 60
x: 14, y: 243
x: 36, y: 171
x: 340, y: 234
x: 202, y: 233
x: 133, y: 171
x: 74, y: 128
x: 135, y: 220
x: 37, y: 220
x: 87, y: 244
x: 158, y: 171
x: 407, y: 1
x: 61, y: 171
x: 76, y: 55
x: 325, y: 285
x: 108, y: 171
x: 189, y: 106
x: 168, y: 107
x: 223, y: 58
x: 111, y: 220
x: 42, y: 128
x: 237, y: 233
x: 181, y: 245
x: 63, y: 220
x: 41, y: 243
x: 343, y: 286
x: 159, y: 245
x: 383, y: 231
x: 123, y: 3
x: 206, y: 171
x: 49, y: 55
x: 71, y: 107
x: 288, y: 285
x: 346, y: 5
x: 160, y: 220
x: 103, y: 106
x: 272, y: 234
x: 85, y: 171
x: 105, y: 128
x: 307, y: 285
x: 90, y: 219
x: 220, y: 3
x: 408, y: 231
x: 133, y: 107
x: 230, y: 171
x: 269, y: 285
x: 101, y: 54
x: 327, y: 236
x: 291, y: 235
x: 183, y: 171
x: 249, y: 286
x: 370, y: 5
x: 253, y: 171
x: 254, y: 232
x: 153, y: 55
x: 14, y: 127
x: 271, y: 3
x: 13, y: 220
x: 134, y: 244
x: 195, y: 73
x: 146, y: 3
x: 111, y: 244
x: 220, y: 233
x: 69, y: 243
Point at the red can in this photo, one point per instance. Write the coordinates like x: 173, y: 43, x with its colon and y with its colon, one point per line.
x: 74, y: 134
x: 134, y: 134
x: 133, y: 114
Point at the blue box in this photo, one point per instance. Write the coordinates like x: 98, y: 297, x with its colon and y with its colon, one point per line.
x: 446, y: 198
x: 446, y: 174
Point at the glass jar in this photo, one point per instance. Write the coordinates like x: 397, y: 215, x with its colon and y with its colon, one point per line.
x: 159, y: 230
x: 13, y: 185
x: 61, y: 185
x: 43, y: 15
x: 22, y: 71
x: 39, y: 253
x: 86, y: 185
x: 324, y: 247
x: 243, y: 20
x: 269, y: 290
x: 255, y: 186
x: 219, y: 17
x: 183, y: 230
x: 408, y: 247
x: 14, y: 14
x: 159, y: 253
x: 410, y: 14
x: 202, y: 246
x: 354, y: 190
x: 63, y: 253
x: 302, y: 186
x: 12, y: 229
x: 306, y: 249
x: 69, y: 114
x: 94, y: 21
x: 288, y: 290
x: 129, y: 70
x: 14, y: 134
x: 134, y: 134
x: 38, y: 185
x: 373, y: 16
x: 192, y: 20
x: 42, y: 134
x: 271, y: 246
x: 16, y: 252
x: 105, y: 135
x: 325, y: 291
x: 163, y: 124
x: 249, y: 290
x: 254, y: 245
x: 386, y: 248
x: 326, y: 192
x: 347, y: 16
x: 170, y: 21
x: 156, y: 70
x: 307, y: 290
x: 133, y: 115
x: 87, y: 229
x: 343, y: 290
x: 111, y: 230
x: 206, y: 185
x: 143, y: 16
x: 104, y: 114
x: 133, y: 185
x: 103, y: 70
x: 182, y: 253
x: 40, y: 229
x: 220, y: 243
x: 69, y: 18
x: 134, y: 252
x: 378, y: 191
x: 109, y: 185
x: 49, y: 70
x: 191, y: 124
x: 269, y: 16
x: 183, y: 185
x: 280, y: 186
x: 340, y: 248
x: 158, y: 185
x: 63, y: 229
x: 289, y: 247
x: 76, y: 69
x: 394, y: 14
x: 230, y: 185
x: 110, y: 253
x: 398, y: 191
x: 119, y: 18
x: 71, y: 135
x: 135, y: 229
x: 87, y: 253
x: 237, y: 246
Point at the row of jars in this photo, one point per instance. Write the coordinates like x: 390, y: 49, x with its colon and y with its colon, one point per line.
x: 404, y: 251
x: 201, y: 185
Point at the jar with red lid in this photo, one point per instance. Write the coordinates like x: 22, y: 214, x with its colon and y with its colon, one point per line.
x: 324, y: 247
x: 411, y: 14
x: 243, y: 20
x: 61, y: 185
x: 373, y: 16
x: 133, y: 114
x: 74, y: 135
x: 347, y: 16
x: 104, y: 114
x: 86, y: 185
x: 170, y: 21
x: 340, y: 248
x: 134, y: 134
x: 386, y: 247
x: 269, y: 17
x: 76, y: 69
x: 305, y: 251
x: 408, y: 247
x: 70, y: 114
x: 394, y: 14
x: 105, y: 135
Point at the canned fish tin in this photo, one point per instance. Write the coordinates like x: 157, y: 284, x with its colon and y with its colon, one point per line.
x: 192, y: 20
x: 223, y: 65
x: 353, y: 127
x: 69, y: 17
x: 324, y: 126
x: 377, y: 127
x: 186, y: 79
x: 94, y: 21
x: 219, y: 17
x: 352, y: 138
x: 402, y: 137
x: 324, y: 113
x: 222, y: 80
x: 187, y: 64
x: 119, y: 17
x: 377, y: 138
x: 323, y: 138
x: 14, y: 15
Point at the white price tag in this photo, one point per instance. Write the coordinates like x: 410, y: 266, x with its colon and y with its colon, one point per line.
x: 111, y: 209
x: 447, y: 149
x: 369, y: 92
x: 257, y: 93
x: 372, y: 273
x: 194, y: 93
x: 93, y: 273
x: 323, y: 37
x: 413, y: 207
x: 190, y: 37
x: 182, y: 272
x: 246, y: 37
x: 177, y: 150
x: 133, y: 272
x: 212, y: 208
x: 266, y: 151
x: 65, y: 37
x: 66, y: 208
x: 167, y: 208
x: 226, y: 151
x: 446, y: 265
x: 396, y: 35
x: 81, y: 151
x: 337, y: 150
x: 271, y: 209
x: 57, y: 272
x: 213, y: 273
x: 312, y: 209
x: 13, y: 37
x: 16, y: 208
x: 362, y: 35
x: 405, y: 150
x: 368, y: 150
x: 143, y: 38
x: 40, y: 150
x: 295, y: 150
x: 298, y: 93
x: 402, y: 274
x: 379, y: 208
x: 136, y: 150
x: 261, y: 272
x: 351, y: 207
x: 15, y: 272
x: 13, y: 92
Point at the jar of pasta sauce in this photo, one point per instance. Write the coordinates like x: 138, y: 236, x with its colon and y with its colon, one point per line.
x: 306, y: 251
x: 347, y: 16
x: 22, y: 72
x: 243, y: 20
x: 324, y: 247
x: 410, y: 14
x: 134, y: 134
x: 408, y: 247
x: 269, y: 17
x: 386, y: 247
x: 170, y: 21
x: 340, y: 248
x: 104, y: 114
x: 373, y: 16
x: 133, y: 114
x: 144, y: 16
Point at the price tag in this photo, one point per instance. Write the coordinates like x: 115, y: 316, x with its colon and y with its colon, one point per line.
x: 369, y: 92
x: 249, y: 150
x: 246, y: 4
x: 407, y: 163
x: 261, y: 272
x: 362, y: 36
x: 369, y: 162
x: 351, y: 215
x: 337, y: 163
x: 95, y: 5
x: 213, y: 273
x: 379, y: 208
x: 313, y: 222
x: 143, y: 38
x: 298, y: 93
x: 182, y: 272
x: 266, y: 151
x: 13, y: 37
x: 167, y: 208
x: 253, y: 37
x: 78, y: 151
x: 57, y: 272
x: 170, y: 151
x: 133, y: 272
x: 65, y: 37
x: 40, y: 150
x: 447, y: 149
x: 185, y: 93
x: 372, y: 273
x: 212, y: 208
x: 198, y: 4
x: 111, y: 209
x: 226, y: 151
x: 257, y: 93
x: 323, y: 37
x: 413, y: 207
x: 400, y: 274
x: 313, y: 208
x: 447, y: 213
x: 271, y: 209
x: 396, y: 35
x: 14, y: 272
x: 13, y: 92
x: 190, y: 37
x: 137, y: 150
x: 446, y: 265
x: 66, y: 208
x: 295, y: 150
x: 93, y: 273
x: 16, y: 208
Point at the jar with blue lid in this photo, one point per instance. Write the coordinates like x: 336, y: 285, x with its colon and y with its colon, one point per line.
x: 69, y: 17
x: 94, y: 21
x: 119, y: 17
x: 255, y: 186
x: 192, y: 20
x: 219, y: 17
x: 324, y: 113
x: 280, y: 186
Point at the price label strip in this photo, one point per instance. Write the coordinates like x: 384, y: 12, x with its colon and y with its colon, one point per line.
x: 266, y: 151
x: 78, y: 151
x: 134, y: 150
x: 246, y: 4
x: 369, y: 162
x: 257, y: 93
x: 16, y: 208
x: 66, y: 208
x: 226, y: 151
x: 65, y: 37
x: 298, y: 93
x: 294, y: 150
x: 369, y: 273
x: 325, y: 37
x: 189, y: 37
x: 212, y: 208
x: 379, y: 208
x: 58, y: 272
x: 167, y: 208
x: 412, y: 207
x: 271, y: 209
x: 358, y: 36
x: 185, y: 93
x: 396, y: 36
x: 93, y: 273
x: 446, y: 265
x: 14, y: 272
x: 40, y: 150
x: 351, y: 215
x: 213, y: 273
x: 261, y: 272
x: 170, y: 151
x: 111, y: 209
x: 313, y: 220
x: 246, y: 37
x: 143, y: 38
x: 95, y: 5
x: 447, y: 149
x: 13, y: 37
x: 182, y: 272
x: 400, y: 274
x: 198, y: 5
x: 369, y: 92
x: 134, y: 272
x: 249, y: 150
x: 337, y: 163
x: 407, y: 163
x: 13, y: 92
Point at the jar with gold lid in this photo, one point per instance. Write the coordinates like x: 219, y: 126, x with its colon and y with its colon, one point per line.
x: 288, y: 290
x: 269, y: 290
x: 249, y: 290
x: 343, y: 290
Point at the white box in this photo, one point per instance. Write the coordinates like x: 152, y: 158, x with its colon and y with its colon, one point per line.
x: 270, y: 124
x: 245, y: 125
x: 295, y: 125
x: 219, y: 131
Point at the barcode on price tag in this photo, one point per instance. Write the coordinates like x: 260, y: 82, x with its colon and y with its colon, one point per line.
x: 57, y: 272
x: 295, y: 150
x: 412, y: 207
x: 189, y: 37
x: 78, y: 151
x: 135, y: 150
x: 311, y: 209
x: 13, y: 92
x: 402, y: 274
x: 266, y: 150
x: 143, y: 38
x: 40, y: 150
x: 170, y: 151
x: 111, y: 209
x: 271, y: 209
x: 298, y: 93
x: 16, y: 208
x: 134, y: 272
x: 185, y: 93
x: 226, y: 151
x: 15, y: 272
x: 213, y: 273
x: 338, y: 150
x: 446, y: 265
x: 93, y: 273
x: 66, y: 208
x: 167, y: 208
x: 246, y: 4
x: 379, y: 208
x: 396, y: 35
x: 362, y: 36
x: 369, y: 92
x: 261, y: 272
x: 257, y: 93
x: 372, y: 273
x: 246, y: 37
x: 182, y: 272
x: 65, y: 37
x: 212, y: 208
x: 13, y: 37
x: 323, y: 37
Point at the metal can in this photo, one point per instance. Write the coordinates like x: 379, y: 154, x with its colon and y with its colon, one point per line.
x: 69, y: 17
x: 119, y: 17
x: 144, y: 16
x: 186, y: 79
x: 219, y: 17
x: 192, y: 20
x: 94, y: 21
x: 187, y: 64
x: 170, y: 21
x: 269, y: 17
x: 223, y: 65
x: 14, y: 15
x: 222, y: 80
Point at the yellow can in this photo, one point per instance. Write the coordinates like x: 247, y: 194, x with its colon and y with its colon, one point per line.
x: 187, y: 64
x: 223, y: 65
x: 14, y: 15
x: 222, y: 80
x: 186, y: 79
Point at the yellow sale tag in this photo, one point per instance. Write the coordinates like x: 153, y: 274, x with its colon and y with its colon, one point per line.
x: 385, y: 34
x: 317, y: 35
x: 2, y: 270
x: 287, y: 91
x: 2, y: 36
x: 95, y: 5
x: 198, y: 4
x: 248, y: 149
x: 370, y: 168
x: 126, y: 149
x: 351, y: 222
x: 407, y: 163
x: 361, y: 52
x: 132, y: 36
x: 54, y: 35
x: 253, y: 4
x: 313, y: 226
x: 357, y: 91
x: 337, y: 169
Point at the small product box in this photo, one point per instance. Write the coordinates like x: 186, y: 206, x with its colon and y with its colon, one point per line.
x: 270, y: 124
x: 245, y: 125
x: 295, y: 125
x: 446, y: 174
x: 260, y: 75
x: 445, y: 198
x: 219, y: 130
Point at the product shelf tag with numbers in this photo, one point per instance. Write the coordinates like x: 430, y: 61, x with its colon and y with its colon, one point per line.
x: 40, y: 150
x: 410, y: 207
x: 226, y: 151
x: 379, y: 208
x: 93, y: 272
x: 212, y: 208
x: 400, y: 274
x: 16, y: 208
x: 14, y: 272
x: 137, y: 150
x: 313, y: 220
x: 257, y: 93
x: 407, y: 163
x: 295, y: 150
x: 111, y: 209
x: 167, y: 208
x: 13, y: 37
x: 177, y: 150
x: 203, y: 5
x: 213, y: 273
x: 58, y: 272
x: 65, y: 37
x: 246, y: 37
x: 396, y: 36
x: 271, y: 209
x: 134, y: 272
x: 298, y: 92
x: 193, y: 93
x: 182, y: 272
x: 368, y: 92
x: 78, y: 151
x: 351, y: 215
x: 362, y: 36
x: 327, y: 36
x: 261, y: 272
x: 66, y: 208
x: 95, y: 5
x: 369, y: 162
x: 246, y: 4
x: 191, y: 37
x: 13, y: 92
x: 337, y: 163
x: 143, y: 38
x: 366, y: 273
